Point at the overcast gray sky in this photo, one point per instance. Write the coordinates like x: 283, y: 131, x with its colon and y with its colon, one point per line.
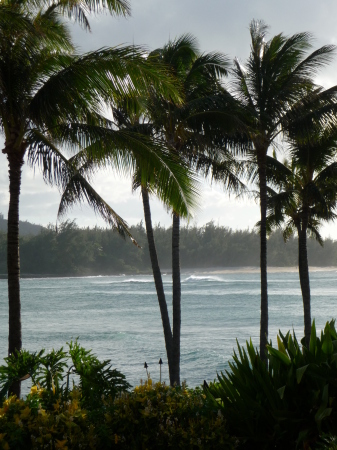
x: 220, y: 25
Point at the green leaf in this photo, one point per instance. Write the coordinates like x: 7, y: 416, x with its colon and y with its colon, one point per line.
x: 291, y: 346
x: 300, y: 373
x: 281, y: 346
x: 325, y: 395
x: 327, y: 346
x: 321, y: 413
x: 279, y: 355
x: 281, y: 392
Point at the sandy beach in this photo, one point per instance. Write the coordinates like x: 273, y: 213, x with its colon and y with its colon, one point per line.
x: 270, y: 269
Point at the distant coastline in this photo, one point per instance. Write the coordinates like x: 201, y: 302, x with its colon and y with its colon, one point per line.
x: 211, y: 270
x: 271, y: 269
x: 70, y: 251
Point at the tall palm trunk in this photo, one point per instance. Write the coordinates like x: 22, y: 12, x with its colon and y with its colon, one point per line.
x: 303, y: 270
x: 263, y: 255
x: 176, y: 299
x: 15, y: 162
x: 158, y: 281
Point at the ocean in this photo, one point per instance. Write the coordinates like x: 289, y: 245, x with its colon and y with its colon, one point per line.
x: 118, y: 317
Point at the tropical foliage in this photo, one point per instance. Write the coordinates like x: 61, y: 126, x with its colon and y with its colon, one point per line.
x: 288, y: 403
x: 57, y: 370
x: 98, y: 413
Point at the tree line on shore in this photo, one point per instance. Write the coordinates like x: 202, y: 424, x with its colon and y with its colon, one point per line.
x: 73, y: 251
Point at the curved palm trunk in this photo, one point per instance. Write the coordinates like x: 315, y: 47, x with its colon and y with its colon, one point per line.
x: 15, y: 162
x: 158, y: 281
x: 303, y: 270
x: 263, y: 257
x: 176, y: 299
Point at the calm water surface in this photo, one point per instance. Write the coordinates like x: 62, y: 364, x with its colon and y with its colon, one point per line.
x: 118, y: 317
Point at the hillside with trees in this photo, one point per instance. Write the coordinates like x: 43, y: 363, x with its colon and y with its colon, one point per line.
x: 73, y: 251
x: 25, y: 228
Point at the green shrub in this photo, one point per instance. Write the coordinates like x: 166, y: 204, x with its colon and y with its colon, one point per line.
x: 153, y: 417
x: 26, y: 424
x: 52, y: 371
x: 287, y: 404
x: 150, y: 417
x: 97, y: 412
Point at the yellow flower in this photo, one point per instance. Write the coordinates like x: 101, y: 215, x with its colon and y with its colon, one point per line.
x: 116, y: 439
x: 149, y: 382
x: 6, y: 446
x: 61, y: 444
x: 136, y: 389
x: 25, y: 413
x: 33, y: 390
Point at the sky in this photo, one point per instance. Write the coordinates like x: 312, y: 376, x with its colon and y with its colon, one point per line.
x: 219, y: 25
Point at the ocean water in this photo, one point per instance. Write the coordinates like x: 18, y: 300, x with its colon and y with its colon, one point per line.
x: 118, y: 317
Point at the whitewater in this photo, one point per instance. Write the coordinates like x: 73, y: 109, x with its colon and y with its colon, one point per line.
x: 118, y: 317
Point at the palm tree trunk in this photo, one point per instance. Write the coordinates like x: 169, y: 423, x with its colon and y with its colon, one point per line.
x: 158, y: 280
x: 176, y: 300
x: 15, y: 162
x: 263, y: 257
x: 303, y: 269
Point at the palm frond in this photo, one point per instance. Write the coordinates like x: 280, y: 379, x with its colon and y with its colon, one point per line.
x: 79, y: 190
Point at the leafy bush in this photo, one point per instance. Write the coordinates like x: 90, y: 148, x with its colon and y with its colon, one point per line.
x: 152, y: 417
x: 52, y: 372
x: 97, y: 412
x: 26, y: 424
x: 288, y: 403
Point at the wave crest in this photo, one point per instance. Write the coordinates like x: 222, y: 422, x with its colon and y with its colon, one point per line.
x: 202, y: 278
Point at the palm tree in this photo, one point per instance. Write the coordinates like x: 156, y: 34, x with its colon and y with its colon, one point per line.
x: 51, y: 97
x: 167, y: 178
x: 304, y: 196
x: 276, y: 76
x: 184, y: 129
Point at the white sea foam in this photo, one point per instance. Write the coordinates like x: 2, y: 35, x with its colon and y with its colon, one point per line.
x: 202, y: 278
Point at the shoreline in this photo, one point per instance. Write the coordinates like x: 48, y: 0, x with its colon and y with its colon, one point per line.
x: 271, y: 269
x: 211, y: 270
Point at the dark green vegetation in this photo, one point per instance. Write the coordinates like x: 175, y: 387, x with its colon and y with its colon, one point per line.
x: 288, y: 404
x: 96, y: 410
x: 83, y: 251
